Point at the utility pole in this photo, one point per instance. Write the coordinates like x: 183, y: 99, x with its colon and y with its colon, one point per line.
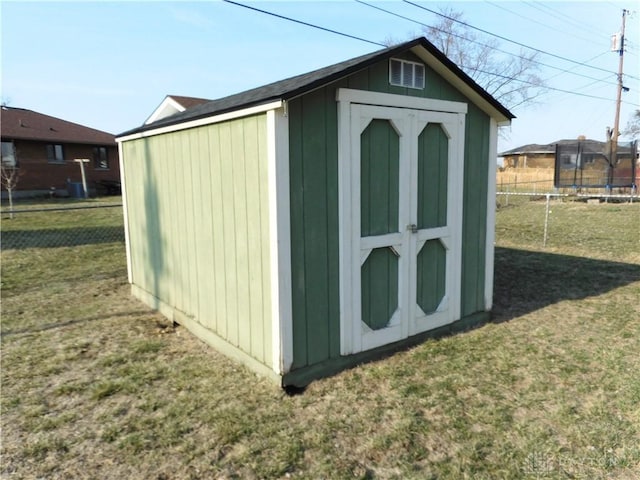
x: 616, y: 122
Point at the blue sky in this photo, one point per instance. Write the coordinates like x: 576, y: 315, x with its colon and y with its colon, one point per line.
x: 109, y: 64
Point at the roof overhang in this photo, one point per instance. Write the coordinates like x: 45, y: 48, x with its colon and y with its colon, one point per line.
x: 234, y: 106
x: 244, y: 112
x: 464, y: 84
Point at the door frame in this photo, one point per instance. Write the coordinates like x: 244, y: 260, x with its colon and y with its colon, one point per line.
x: 349, y: 232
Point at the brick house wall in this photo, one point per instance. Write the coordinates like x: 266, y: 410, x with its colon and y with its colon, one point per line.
x: 44, y: 148
x: 40, y: 174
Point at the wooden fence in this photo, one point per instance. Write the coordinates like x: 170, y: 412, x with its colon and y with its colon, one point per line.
x: 531, y: 180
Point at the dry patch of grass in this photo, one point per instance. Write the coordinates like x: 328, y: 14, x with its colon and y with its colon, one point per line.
x: 94, y: 385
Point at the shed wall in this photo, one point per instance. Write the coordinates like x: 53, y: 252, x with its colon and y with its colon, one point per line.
x: 199, y: 228
x: 313, y: 167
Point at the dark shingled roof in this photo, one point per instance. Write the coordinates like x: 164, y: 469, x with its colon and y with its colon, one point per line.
x: 23, y: 124
x: 300, y: 84
x: 590, y: 146
x: 529, y: 148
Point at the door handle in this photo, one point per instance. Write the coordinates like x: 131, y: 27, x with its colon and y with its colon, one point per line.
x: 413, y: 227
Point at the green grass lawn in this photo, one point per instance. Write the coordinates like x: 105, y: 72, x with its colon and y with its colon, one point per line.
x: 95, y: 385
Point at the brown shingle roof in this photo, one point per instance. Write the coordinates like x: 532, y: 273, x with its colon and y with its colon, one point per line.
x: 20, y: 123
x: 188, y: 102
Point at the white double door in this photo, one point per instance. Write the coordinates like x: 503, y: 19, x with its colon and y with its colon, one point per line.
x: 402, y: 192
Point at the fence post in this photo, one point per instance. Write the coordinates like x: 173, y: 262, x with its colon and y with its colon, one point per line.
x: 546, y: 221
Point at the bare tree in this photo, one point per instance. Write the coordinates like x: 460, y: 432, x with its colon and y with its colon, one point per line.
x: 9, y: 176
x: 511, y: 79
x: 632, y: 130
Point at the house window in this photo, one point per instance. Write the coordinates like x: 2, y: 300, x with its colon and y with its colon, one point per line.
x: 406, y: 74
x: 100, y: 159
x: 55, y: 153
x: 8, y: 154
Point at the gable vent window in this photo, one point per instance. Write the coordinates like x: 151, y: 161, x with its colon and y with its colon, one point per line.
x: 406, y: 74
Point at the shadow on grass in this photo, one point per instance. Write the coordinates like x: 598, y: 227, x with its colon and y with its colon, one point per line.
x: 53, y: 326
x: 60, y: 237
x: 526, y: 281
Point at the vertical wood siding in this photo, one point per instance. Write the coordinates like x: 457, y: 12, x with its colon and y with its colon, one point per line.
x: 199, y: 226
x: 313, y: 168
x: 474, y: 221
x: 314, y: 227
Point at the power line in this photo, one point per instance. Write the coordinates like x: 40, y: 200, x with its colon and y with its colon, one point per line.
x: 593, y: 58
x: 329, y: 30
x: 545, y: 25
x: 480, y: 43
x: 567, y: 19
x: 555, y: 89
x: 505, y: 38
x: 549, y: 88
x: 305, y: 23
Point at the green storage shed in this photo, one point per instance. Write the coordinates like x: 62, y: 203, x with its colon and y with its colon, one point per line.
x: 313, y: 223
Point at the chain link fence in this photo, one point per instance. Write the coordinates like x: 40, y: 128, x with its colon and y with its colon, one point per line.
x: 73, y: 225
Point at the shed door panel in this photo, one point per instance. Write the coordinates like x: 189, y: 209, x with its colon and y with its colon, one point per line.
x: 379, y: 195
x: 379, y: 170
x: 380, y: 269
x: 436, y: 206
x: 404, y: 193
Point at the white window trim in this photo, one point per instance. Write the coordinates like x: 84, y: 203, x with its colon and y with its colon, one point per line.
x: 349, y: 95
x: 408, y: 62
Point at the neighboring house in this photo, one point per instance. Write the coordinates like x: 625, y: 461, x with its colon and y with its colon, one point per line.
x: 307, y: 225
x: 173, y: 104
x: 544, y: 156
x: 44, y: 148
x: 593, y: 154
x: 581, y: 162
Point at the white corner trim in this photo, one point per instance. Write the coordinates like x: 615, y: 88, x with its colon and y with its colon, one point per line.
x: 489, y: 256
x: 280, y: 240
x: 344, y: 224
x: 457, y: 184
x: 399, y: 101
x: 125, y: 215
x: 245, y: 112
